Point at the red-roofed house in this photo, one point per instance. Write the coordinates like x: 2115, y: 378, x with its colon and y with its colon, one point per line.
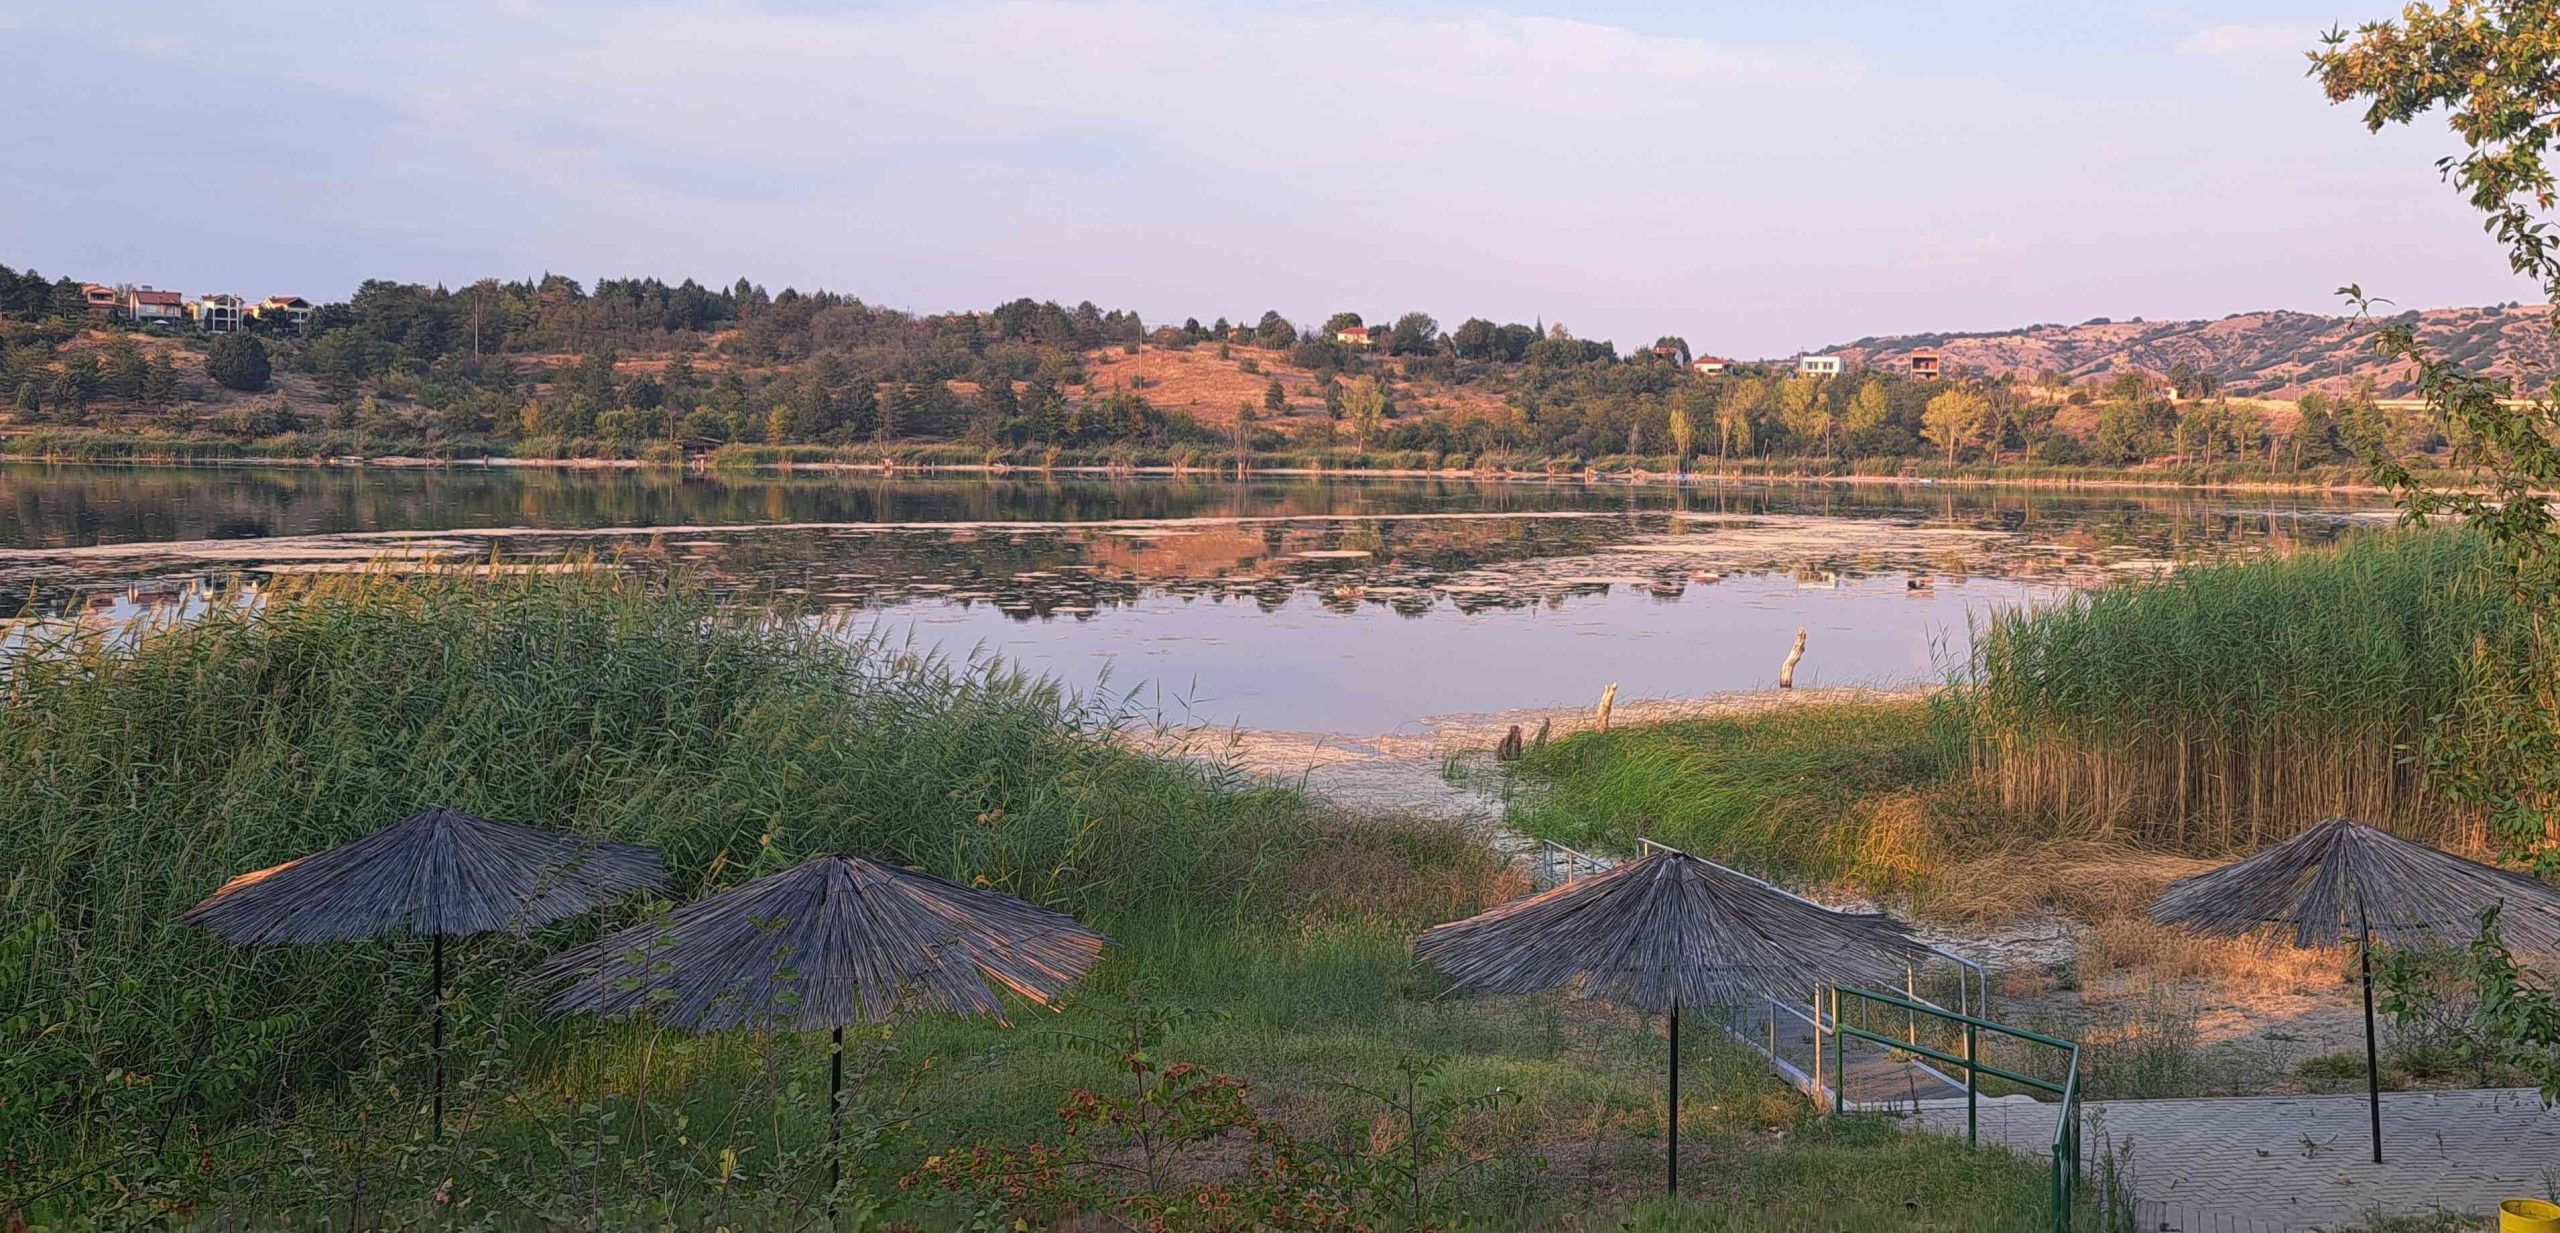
x: 151, y: 306
x: 103, y: 301
x: 1352, y: 336
x: 1709, y: 366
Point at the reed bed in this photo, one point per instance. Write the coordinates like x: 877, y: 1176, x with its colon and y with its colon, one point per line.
x: 140, y: 769
x: 2231, y: 705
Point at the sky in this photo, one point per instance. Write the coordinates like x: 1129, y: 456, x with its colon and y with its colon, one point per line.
x: 1758, y: 178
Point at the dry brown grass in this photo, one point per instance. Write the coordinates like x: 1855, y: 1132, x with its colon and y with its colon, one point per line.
x: 2106, y: 889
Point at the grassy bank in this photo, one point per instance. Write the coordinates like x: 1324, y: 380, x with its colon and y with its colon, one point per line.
x: 1835, y: 792
x: 156, y: 1077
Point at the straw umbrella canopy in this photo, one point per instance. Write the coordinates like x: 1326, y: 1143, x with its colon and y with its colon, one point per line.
x: 831, y: 941
x: 438, y: 872
x: 1666, y: 933
x: 2342, y: 881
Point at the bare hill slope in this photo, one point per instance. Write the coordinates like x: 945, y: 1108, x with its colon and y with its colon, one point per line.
x: 2269, y: 354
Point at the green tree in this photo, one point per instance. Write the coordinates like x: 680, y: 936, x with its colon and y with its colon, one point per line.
x: 1869, y: 408
x: 1275, y: 398
x: 1955, y: 419
x: 159, y: 381
x: 1364, y: 404
x: 1684, y: 434
x: 238, y: 362
x: 2494, y: 67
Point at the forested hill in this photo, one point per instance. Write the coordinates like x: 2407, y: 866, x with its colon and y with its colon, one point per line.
x: 2261, y: 354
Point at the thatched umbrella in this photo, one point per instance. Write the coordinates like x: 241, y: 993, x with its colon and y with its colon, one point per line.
x: 831, y: 941
x: 2343, y: 880
x: 438, y: 872
x: 1666, y: 933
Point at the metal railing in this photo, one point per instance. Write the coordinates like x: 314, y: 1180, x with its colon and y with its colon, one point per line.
x: 2066, y: 1129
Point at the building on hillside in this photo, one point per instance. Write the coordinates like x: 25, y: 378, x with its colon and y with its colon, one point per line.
x: 1667, y: 352
x: 1352, y: 336
x: 151, y: 306
x: 1924, y: 366
x: 102, y: 300
x: 216, y: 314
x: 1818, y: 366
x: 1709, y: 366
x: 282, y: 313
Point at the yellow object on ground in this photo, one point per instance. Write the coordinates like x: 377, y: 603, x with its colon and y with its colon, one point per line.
x: 2528, y: 1216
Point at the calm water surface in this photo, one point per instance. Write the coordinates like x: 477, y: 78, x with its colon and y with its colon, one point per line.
x: 1321, y: 605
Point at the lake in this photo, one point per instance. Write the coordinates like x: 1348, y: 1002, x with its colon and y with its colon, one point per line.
x: 1305, y: 604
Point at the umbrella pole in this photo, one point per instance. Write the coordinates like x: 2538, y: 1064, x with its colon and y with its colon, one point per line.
x: 436, y: 1062
x: 835, y: 1121
x: 2372, y: 1054
x: 1671, y: 1154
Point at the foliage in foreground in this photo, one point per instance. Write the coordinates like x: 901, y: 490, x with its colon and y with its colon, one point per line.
x: 137, y: 773
x: 157, y: 1079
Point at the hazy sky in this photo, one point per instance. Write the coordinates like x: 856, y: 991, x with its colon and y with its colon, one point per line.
x: 1758, y: 177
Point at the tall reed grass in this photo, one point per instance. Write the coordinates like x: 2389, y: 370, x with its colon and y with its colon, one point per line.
x: 138, y: 770
x: 2232, y: 704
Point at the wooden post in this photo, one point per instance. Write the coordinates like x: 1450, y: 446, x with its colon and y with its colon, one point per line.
x: 1509, y: 748
x: 1787, y: 670
x: 1608, y: 698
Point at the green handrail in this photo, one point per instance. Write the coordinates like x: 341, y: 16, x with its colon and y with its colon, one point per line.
x: 2066, y: 1129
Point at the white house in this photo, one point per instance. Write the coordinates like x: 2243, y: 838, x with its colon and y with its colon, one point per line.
x: 282, y: 312
x: 216, y: 314
x: 1818, y: 366
x: 1709, y: 366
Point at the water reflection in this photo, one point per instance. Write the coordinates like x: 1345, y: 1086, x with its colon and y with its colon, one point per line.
x: 1300, y: 601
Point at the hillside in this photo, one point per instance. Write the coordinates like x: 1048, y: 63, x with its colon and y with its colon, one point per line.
x: 2261, y: 354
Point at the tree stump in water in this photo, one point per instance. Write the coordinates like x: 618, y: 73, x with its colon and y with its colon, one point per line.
x: 1787, y: 671
x: 1541, y: 741
x: 1608, y: 698
x: 1509, y: 749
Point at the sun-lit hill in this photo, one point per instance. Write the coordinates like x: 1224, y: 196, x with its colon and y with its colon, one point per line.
x: 1207, y: 382
x: 2273, y: 354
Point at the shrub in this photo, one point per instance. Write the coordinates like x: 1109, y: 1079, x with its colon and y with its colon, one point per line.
x: 238, y: 362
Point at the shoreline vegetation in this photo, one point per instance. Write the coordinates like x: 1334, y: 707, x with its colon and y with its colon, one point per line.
x: 107, y: 450
x: 1264, y: 935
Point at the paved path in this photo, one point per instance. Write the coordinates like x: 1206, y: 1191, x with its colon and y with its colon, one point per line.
x: 2268, y: 1163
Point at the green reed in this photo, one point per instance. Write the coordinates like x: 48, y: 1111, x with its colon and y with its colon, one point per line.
x: 2230, y: 704
x: 141, y: 768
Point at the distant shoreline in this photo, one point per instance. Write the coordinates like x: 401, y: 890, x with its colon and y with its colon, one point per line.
x: 1997, y: 477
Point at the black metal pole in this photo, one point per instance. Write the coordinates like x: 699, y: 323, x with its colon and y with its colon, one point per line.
x: 2372, y: 1053
x: 1671, y: 1155
x: 835, y: 1121
x: 437, y: 1063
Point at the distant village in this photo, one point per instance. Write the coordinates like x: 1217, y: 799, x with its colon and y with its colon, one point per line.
x: 146, y: 305
x: 1919, y: 365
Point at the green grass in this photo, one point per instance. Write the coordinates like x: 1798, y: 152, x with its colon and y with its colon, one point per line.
x: 1819, y: 792
x: 151, y: 1076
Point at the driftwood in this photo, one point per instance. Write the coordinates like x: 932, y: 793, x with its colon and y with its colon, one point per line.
x: 1608, y: 699
x: 1541, y: 741
x: 1509, y: 749
x: 1787, y: 670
